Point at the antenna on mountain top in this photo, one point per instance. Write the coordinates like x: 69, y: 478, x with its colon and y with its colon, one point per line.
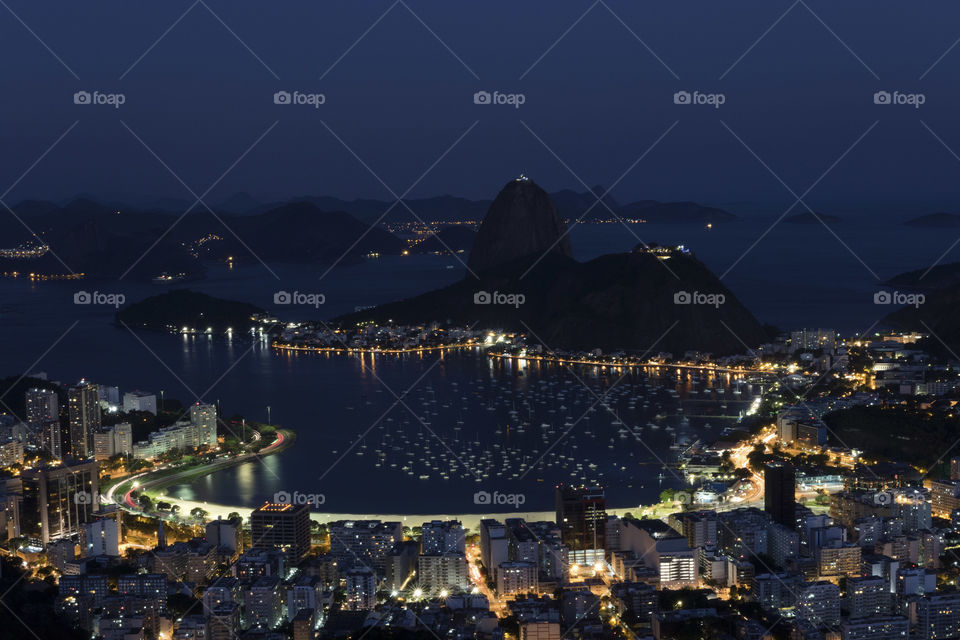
x: 523, y: 178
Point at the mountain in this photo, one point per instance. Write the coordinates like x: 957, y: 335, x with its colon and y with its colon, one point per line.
x: 297, y: 233
x: 522, y: 222
x: 939, y: 277
x: 937, y: 314
x: 173, y: 310
x: 675, y: 212
x: 658, y: 299
x: 935, y: 221
x: 571, y: 205
x: 103, y: 242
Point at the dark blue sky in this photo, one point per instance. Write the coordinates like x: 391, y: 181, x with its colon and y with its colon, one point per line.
x: 399, y: 99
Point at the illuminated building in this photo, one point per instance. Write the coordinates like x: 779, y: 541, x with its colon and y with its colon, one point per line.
x: 582, y: 517
x: 286, y: 526
x: 83, y: 402
x: 58, y: 501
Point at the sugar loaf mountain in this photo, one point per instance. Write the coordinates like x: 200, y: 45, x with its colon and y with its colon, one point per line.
x: 616, y: 301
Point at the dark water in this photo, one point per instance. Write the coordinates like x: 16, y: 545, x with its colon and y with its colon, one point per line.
x: 798, y: 275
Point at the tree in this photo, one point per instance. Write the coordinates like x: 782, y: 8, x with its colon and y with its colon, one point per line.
x: 198, y: 513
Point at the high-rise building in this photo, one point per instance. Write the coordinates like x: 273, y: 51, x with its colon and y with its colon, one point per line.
x: 51, y: 439
x: 282, y: 525
x: 58, y: 501
x: 204, y: 418
x: 113, y: 440
x: 779, y: 493
x: 493, y: 545
x: 582, y: 518
x: 442, y: 572
x: 83, y: 402
x: 361, y: 589
x: 226, y: 533
x: 42, y: 406
x: 438, y: 536
x: 101, y: 537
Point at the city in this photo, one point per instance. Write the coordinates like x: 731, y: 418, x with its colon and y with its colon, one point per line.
x: 423, y: 320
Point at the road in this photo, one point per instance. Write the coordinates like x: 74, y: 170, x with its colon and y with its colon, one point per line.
x: 128, y: 501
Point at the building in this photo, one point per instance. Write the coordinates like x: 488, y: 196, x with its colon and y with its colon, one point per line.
x: 305, y: 593
x: 361, y: 589
x: 140, y: 401
x: 819, y: 604
x: 11, y: 453
x: 878, y: 628
x: 101, y: 538
x: 303, y: 624
x: 226, y: 534
x: 286, y: 526
x: 813, y: 340
x: 662, y: 550
x: 204, y: 418
x: 200, y: 431
x: 868, y: 597
x: 113, y: 440
x: 493, y: 545
x: 517, y: 577
x: 582, y: 517
x: 540, y: 631
x: 58, y: 501
x: 442, y: 537
x: 779, y: 493
x: 263, y: 603
x: 839, y: 559
x: 42, y: 406
x: 938, y: 616
x: 446, y: 572
x: 83, y: 403
x: 51, y: 439
x: 363, y: 542
x: 698, y: 527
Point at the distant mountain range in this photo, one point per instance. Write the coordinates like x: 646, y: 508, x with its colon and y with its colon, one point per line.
x: 936, y: 221
x: 570, y: 204
x: 105, y: 240
x: 527, y: 280
x: 937, y: 310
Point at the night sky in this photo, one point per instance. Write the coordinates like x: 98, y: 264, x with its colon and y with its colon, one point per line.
x: 598, y: 82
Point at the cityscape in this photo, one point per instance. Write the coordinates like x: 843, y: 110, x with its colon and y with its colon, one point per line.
x: 412, y: 320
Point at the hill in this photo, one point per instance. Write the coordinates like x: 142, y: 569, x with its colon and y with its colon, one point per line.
x: 618, y: 301
x: 935, y: 221
x: 174, y: 310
